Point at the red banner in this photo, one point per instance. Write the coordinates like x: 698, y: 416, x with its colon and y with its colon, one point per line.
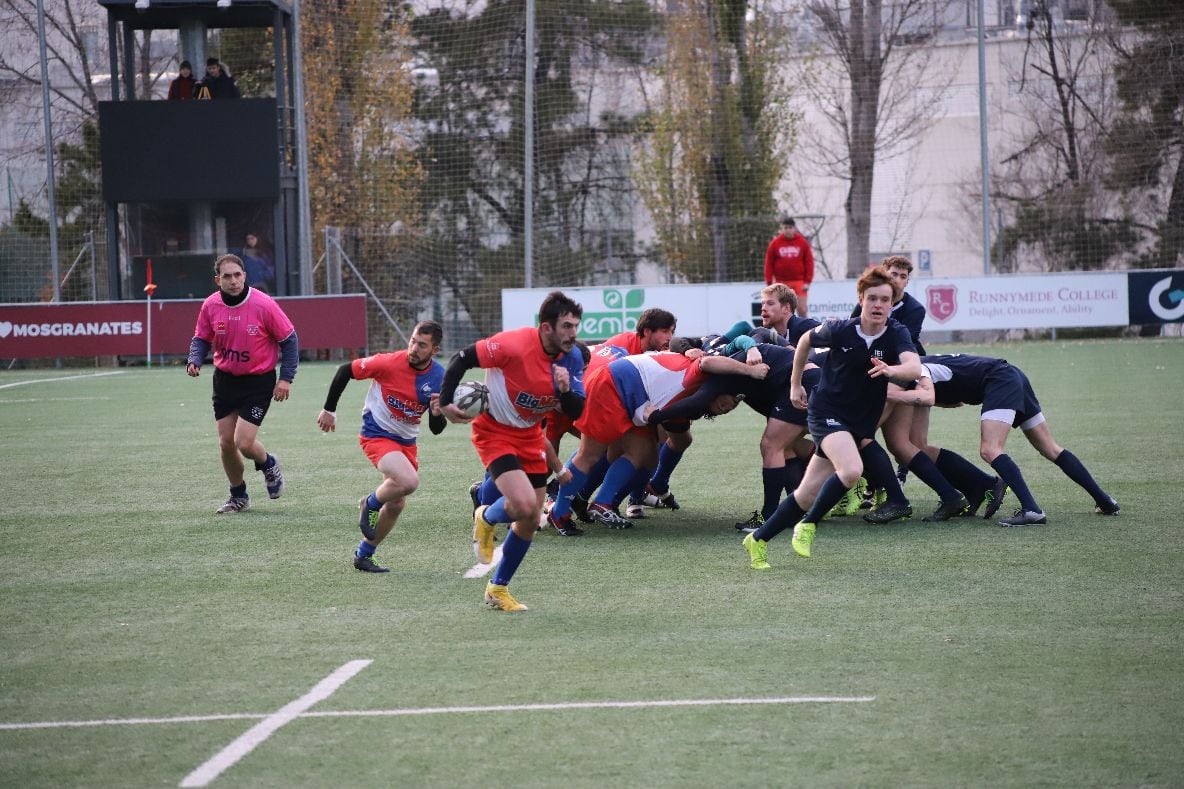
x: 120, y: 328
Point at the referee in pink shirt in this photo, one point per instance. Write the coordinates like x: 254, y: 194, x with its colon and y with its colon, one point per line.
x: 248, y: 333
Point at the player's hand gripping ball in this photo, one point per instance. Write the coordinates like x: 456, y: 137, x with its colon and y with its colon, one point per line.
x: 472, y: 397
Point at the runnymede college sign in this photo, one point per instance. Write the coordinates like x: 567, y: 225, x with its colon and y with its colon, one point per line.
x: 119, y: 328
x: 1042, y: 301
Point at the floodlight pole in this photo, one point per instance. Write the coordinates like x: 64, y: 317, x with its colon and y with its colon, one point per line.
x: 53, y: 204
x: 984, y: 156
x: 528, y: 151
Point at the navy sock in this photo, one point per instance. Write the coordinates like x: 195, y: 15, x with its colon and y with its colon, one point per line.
x: 616, y: 480
x: 795, y: 469
x: 266, y: 464
x: 877, y: 469
x: 828, y: 496
x: 513, y: 551
x: 365, y: 549
x: 496, y: 512
x: 636, y: 488
x: 488, y: 493
x: 927, y: 472
x: 773, y: 481
x: 563, y: 499
x: 962, y: 474
x: 1010, y: 473
x: 786, y: 516
x: 1076, y: 471
x: 239, y: 491
x: 667, y: 461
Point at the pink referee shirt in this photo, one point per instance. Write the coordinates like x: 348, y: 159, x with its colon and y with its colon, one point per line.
x: 245, y: 337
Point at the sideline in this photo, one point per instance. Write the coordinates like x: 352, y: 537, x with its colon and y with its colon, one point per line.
x: 60, y: 378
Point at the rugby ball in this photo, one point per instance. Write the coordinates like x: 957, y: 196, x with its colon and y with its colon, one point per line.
x: 471, y: 397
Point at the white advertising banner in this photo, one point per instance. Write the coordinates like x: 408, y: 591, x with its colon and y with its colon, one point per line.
x: 1043, y: 301
x: 1017, y: 302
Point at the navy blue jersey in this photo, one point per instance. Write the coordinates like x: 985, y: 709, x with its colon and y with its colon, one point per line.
x: 846, y: 394
x: 908, y: 311
x: 997, y: 385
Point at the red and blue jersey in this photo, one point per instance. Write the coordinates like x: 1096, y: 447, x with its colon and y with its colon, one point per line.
x: 518, y: 374
x: 398, y: 396
x: 246, y: 336
x: 656, y: 379
x: 603, y: 354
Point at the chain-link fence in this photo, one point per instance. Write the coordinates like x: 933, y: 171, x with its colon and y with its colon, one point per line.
x: 665, y: 140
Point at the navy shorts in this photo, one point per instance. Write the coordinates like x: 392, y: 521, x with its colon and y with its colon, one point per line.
x: 249, y: 395
x: 1008, y: 388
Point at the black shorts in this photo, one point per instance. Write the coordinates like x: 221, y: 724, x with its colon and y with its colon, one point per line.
x: 249, y: 395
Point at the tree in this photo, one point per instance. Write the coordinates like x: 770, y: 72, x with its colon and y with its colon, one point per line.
x: 717, y: 139
x: 363, y: 175
x: 472, y: 149
x: 1059, y: 215
x: 1146, y: 142
x: 874, y: 86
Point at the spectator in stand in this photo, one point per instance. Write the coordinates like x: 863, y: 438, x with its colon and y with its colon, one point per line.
x: 181, y: 89
x: 218, y: 84
x: 260, y: 267
x: 790, y: 259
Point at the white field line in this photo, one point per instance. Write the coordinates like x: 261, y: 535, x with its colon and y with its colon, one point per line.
x: 60, y: 378
x: 480, y: 570
x: 572, y: 705
x: 6, y: 401
x: 258, y: 733
x: 596, y: 705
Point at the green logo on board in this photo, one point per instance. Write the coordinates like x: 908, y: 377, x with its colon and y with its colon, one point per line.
x: 621, y: 310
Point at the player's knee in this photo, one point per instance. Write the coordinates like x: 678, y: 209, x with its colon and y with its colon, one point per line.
x: 849, y: 476
x: 989, y: 453
x: 521, y: 508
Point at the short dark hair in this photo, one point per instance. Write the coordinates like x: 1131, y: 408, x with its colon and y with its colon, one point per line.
x: 897, y: 261
x: 212, y: 62
x: 227, y: 258
x: 432, y: 328
x: 786, y: 219
x: 656, y: 318
x: 557, y: 303
x: 185, y: 64
x: 585, y: 351
x: 684, y: 344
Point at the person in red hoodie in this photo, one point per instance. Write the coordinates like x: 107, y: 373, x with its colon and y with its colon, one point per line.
x: 181, y: 89
x: 790, y: 259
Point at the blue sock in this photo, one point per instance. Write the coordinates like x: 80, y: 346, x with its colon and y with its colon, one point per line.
x: 239, y: 491
x: 267, y: 463
x: 927, y: 472
x: 786, y: 516
x: 496, y: 512
x: 667, y: 461
x: 878, y: 471
x: 595, y: 479
x: 488, y: 493
x: 372, y: 501
x: 365, y: 549
x: 562, y: 504
x: 1006, y: 468
x: 616, y: 480
x: 828, y: 496
x: 513, y: 551
x: 1077, y: 472
x: 773, y: 481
